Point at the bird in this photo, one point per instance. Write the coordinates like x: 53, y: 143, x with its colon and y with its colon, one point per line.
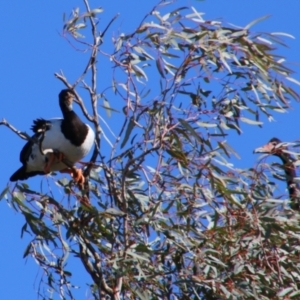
x: 57, y: 144
x: 273, y: 147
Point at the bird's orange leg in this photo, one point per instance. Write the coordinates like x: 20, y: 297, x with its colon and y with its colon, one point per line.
x: 76, y: 174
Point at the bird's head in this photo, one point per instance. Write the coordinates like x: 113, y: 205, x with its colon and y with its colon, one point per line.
x: 66, y: 98
x: 272, y: 147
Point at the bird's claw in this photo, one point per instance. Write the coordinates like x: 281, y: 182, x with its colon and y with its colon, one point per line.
x: 78, y: 177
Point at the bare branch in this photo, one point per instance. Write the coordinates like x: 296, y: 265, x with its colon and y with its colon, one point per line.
x: 21, y: 134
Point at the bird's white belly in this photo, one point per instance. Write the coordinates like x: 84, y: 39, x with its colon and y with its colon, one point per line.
x: 36, y: 160
x: 54, y: 140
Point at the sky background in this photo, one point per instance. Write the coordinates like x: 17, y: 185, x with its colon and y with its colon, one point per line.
x: 31, y: 51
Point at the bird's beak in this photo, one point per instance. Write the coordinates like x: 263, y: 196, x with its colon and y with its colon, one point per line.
x: 268, y: 148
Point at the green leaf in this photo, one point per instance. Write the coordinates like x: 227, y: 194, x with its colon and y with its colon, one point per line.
x: 114, y: 212
x: 27, y: 250
x: 143, y: 248
x: 129, y: 129
x: 160, y: 68
x: 139, y: 72
x: 188, y: 127
x: 3, y: 193
x: 251, y: 122
x: 206, y: 124
x: 107, y: 107
x: 97, y: 10
x: 285, y: 291
x: 256, y: 21
x: 293, y: 80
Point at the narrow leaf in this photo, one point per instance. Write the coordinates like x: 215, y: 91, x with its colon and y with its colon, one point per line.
x: 256, y: 21
x: 160, y: 68
x: 128, y: 132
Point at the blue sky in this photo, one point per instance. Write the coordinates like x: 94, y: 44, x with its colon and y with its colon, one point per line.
x: 31, y: 51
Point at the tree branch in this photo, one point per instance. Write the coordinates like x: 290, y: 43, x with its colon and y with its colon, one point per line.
x: 21, y: 134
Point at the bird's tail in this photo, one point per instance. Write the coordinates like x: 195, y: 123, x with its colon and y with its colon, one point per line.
x: 21, y: 174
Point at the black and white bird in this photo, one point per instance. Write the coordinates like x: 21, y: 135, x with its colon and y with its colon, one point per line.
x: 276, y: 147
x: 57, y: 144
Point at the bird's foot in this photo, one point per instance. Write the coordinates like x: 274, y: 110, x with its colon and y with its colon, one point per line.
x: 78, y: 177
x: 76, y: 174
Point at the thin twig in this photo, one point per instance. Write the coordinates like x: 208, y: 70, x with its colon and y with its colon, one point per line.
x: 21, y: 134
x: 111, y: 21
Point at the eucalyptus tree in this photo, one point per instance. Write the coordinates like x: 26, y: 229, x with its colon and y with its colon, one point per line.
x: 164, y: 213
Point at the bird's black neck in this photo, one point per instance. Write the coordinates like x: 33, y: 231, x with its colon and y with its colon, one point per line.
x: 73, y: 128
x: 290, y: 174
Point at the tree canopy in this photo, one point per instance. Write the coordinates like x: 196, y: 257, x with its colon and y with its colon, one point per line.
x: 165, y: 214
